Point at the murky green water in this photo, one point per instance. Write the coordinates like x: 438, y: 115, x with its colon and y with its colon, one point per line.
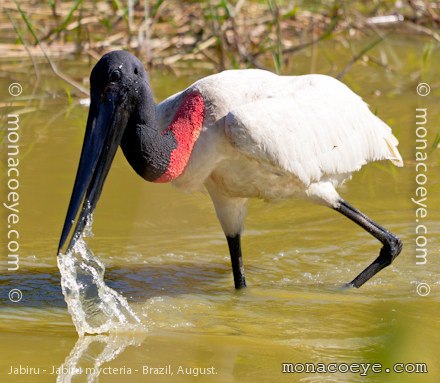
x: 165, y: 252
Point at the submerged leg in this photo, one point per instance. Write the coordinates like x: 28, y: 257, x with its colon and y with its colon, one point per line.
x: 392, y: 245
x: 236, y: 260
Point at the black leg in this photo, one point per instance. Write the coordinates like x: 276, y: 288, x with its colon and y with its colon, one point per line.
x: 391, y: 244
x: 237, y: 262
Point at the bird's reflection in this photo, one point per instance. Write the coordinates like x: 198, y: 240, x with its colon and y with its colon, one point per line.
x: 91, y: 352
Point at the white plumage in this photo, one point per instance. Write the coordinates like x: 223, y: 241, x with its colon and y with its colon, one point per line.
x: 271, y: 137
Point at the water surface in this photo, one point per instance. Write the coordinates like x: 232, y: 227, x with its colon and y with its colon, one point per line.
x: 165, y: 252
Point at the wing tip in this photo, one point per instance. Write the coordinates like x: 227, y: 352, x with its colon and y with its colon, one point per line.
x: 397, y: 161
x: 394, y: 155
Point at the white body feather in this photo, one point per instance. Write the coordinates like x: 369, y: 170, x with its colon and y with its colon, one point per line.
x: 272, y: 137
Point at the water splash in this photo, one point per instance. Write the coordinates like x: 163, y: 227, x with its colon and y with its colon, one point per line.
x: 92, y: 353
x: 95, y: 308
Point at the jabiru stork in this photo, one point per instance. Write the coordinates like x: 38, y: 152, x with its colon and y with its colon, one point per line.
x: 239, y: 134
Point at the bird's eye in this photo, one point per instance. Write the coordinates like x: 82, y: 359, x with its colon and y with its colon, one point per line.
x: 135, y: 70
x: 115, y: 76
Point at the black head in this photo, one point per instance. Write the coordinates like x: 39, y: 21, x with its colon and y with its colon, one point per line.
x: 118, y: 86
x: 119, y: 72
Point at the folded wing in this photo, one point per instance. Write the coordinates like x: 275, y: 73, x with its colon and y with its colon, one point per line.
x: 323, y: 129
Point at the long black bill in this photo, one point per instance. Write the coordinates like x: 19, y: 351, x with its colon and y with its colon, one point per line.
x: 105, y: 127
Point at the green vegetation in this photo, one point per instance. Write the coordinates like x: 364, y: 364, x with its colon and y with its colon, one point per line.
x: 216, y: 33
